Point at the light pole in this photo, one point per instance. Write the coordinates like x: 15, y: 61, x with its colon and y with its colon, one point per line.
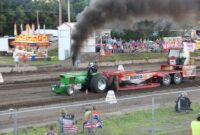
x: 68, y: 6
x: 60, y: 12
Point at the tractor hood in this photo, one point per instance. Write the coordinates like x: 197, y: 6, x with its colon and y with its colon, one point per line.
x: 77, y: 74
x: 73, y: 78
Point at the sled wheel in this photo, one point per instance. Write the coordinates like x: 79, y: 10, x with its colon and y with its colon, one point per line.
x: 99, y: 84
x: 166, y: 80
x: 69, y: 90
x: 177, y: 78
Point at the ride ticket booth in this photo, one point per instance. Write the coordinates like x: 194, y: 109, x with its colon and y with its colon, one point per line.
x: 35, y: 47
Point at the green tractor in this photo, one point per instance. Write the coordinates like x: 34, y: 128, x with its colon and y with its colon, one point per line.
x: 72, y: 82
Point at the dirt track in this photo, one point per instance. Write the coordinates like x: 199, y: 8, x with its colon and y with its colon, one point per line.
x: 132, y: 101
x: 26, y: 90
x: 33, y: 89
x: 18, y: 97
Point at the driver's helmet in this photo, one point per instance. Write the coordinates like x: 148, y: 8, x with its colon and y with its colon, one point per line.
x: 93, y: 66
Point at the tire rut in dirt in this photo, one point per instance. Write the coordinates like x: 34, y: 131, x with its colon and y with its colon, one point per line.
x: 48, y: 98
x: 25, y: 84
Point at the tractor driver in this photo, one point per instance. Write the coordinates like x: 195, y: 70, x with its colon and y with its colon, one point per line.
x: 92, y: 68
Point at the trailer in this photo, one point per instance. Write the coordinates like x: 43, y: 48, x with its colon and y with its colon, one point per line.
x: 133, y: 80
x: 5, y: 47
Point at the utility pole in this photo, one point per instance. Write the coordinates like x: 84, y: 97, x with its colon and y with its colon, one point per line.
x: 60, y: 12
x: 38, y: 21
x: 68, y: 6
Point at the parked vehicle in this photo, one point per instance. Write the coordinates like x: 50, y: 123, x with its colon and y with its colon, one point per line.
x: 5, y: 48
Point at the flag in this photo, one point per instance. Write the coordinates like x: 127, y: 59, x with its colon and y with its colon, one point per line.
x: 38, y: 29
x: 15, y: 29
x: 33, y: 29
x: 28, y: 29
x: 21, y: 27
x: 44, y: 27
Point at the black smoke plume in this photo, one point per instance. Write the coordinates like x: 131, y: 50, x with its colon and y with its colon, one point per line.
x: 101, y: 12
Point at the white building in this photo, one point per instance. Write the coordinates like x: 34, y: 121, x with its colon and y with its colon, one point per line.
x: 65, y: 42
x: 52, y: 32
x: 89, y: 45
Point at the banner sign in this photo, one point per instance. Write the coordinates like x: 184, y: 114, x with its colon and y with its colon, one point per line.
x: 189, y: 46
x: 189, y: 70
x: 35, y: 44
x: 31, y: 38
x: 172, y: 43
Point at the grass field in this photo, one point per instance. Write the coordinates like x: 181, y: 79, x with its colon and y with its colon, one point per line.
x: 140, y: 56
x: 113, y: 57
x: 167, y: 122
x: 8, y: 60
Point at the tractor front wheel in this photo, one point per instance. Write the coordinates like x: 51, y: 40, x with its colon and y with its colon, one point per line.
x: 69, y: 90
x: 99, y: 84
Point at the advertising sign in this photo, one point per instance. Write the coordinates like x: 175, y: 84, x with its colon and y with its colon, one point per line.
x: 189, y: 46
x: 172, y: 43
x: 31, y: 38
x: 189, y: 70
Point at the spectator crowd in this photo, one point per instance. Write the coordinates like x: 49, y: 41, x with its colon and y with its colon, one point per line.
x: 114, y: 45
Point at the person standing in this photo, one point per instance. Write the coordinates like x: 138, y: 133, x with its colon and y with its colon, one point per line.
x: 195, y: 126
x: 24, y: 57
x: 16, y: 59
x: 60, y: 121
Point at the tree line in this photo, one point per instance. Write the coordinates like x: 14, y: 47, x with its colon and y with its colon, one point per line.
x: 25, y: 12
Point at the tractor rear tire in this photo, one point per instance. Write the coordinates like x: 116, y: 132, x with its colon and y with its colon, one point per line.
x: 177, y: 78
x: 98, y: 84
x: 69, y: 90
x: 166, y: 80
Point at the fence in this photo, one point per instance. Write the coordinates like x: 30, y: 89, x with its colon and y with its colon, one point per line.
x: 141, y: 114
